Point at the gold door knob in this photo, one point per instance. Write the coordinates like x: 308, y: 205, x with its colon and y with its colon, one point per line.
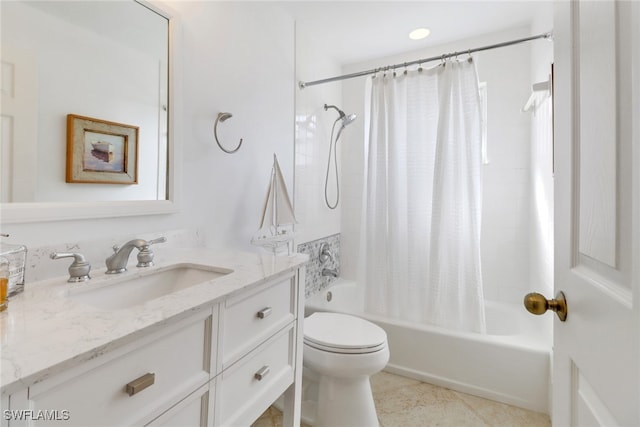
x: 537, y: 304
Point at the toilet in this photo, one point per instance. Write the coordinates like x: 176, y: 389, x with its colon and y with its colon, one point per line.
x: 340, y: 353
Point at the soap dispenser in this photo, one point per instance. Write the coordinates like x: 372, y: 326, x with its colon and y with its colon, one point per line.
x: 17, y: 257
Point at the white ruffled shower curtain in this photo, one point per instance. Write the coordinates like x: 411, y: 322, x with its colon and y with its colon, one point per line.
x: 420, y: 237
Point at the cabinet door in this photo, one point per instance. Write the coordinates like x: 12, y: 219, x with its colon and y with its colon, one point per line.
x: 194, y: 410
x: 251, y: 317
x: 251, y: 384
x: 133, y: 384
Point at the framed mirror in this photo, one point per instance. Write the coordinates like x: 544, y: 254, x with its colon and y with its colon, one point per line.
x: 110, y: 62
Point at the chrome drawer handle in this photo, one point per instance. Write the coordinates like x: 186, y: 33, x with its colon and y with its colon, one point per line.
x: 262, y: 373
x: 265, y: 312
x: 140, y: 384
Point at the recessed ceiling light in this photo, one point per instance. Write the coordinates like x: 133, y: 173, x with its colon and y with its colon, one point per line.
x: 419, y: 33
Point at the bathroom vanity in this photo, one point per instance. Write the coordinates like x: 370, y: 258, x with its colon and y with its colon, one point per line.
x: 215, y: 353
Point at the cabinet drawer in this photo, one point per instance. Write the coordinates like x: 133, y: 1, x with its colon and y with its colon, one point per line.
x: 194, y: 410
x: 250, y: 385
x: 249, y: 319
x: 169, y: 364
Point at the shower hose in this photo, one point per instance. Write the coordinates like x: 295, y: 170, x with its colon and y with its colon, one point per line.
x: 333, y: 146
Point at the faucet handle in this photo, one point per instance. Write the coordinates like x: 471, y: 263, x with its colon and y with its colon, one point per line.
x: 158, y: 240
x: 145, y: 255
x: 325, y: 253
x: 79, y: 268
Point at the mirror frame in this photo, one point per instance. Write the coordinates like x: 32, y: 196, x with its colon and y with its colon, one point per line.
x: 18, y: 213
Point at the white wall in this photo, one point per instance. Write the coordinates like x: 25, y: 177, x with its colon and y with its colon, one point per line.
x: 237, y: 57
x: 541, y: 207
x: 506, y: 189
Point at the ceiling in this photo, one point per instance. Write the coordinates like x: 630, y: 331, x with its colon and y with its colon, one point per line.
x: 356, y: 31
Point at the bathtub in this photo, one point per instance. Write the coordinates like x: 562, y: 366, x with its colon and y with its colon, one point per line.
x: 510, y: 364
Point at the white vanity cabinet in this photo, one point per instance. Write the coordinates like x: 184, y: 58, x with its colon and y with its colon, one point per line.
x: 131, y: 385
x: 221, y: 364
x: 259, y: 332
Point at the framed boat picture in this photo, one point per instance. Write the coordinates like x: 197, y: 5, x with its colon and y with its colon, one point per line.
x: 101, y: 152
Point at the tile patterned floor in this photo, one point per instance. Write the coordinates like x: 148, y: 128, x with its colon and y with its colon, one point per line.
x: 404, y: 402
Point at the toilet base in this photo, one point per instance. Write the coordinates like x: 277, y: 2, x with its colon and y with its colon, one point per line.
x: 345, y: 402
x: 344, y: 391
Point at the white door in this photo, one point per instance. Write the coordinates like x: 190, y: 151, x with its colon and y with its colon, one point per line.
x: 18, y: 125
x: 596, y: 357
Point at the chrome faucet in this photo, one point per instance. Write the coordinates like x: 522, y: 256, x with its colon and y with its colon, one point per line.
x: 117, y: 263
x: 79, y: 269
x: 331, y: 272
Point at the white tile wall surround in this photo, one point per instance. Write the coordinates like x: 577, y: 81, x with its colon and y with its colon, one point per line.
x: 312, y: 135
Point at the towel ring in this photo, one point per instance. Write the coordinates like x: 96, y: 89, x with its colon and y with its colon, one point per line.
x: 221, y: 118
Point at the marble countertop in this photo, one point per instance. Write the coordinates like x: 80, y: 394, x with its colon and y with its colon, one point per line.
x: 44, y: 332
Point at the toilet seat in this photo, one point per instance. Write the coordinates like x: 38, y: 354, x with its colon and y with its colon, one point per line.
x: 343, y: 333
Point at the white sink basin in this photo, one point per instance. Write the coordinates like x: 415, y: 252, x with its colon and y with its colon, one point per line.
x: 126, y: 291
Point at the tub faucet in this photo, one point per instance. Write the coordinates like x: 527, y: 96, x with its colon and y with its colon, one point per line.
x: 325, y: 253
x: 117, y: 262
x: 331, y: 272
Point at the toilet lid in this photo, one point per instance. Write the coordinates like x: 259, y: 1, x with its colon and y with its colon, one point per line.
x: 343, y: 333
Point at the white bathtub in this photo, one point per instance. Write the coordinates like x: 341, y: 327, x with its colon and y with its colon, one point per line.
x: 510, y: 364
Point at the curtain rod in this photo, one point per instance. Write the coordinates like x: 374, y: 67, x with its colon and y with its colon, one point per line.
x: 302, y: 84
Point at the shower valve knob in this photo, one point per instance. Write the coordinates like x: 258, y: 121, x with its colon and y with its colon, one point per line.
x: 536, y: 303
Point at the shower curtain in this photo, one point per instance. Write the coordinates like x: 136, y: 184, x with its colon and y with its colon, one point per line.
x: 420, y: 237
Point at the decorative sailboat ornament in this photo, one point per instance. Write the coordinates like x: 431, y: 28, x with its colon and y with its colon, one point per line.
x: 278, y: 219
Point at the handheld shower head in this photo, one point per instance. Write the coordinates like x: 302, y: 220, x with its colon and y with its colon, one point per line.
x: 347, y: 120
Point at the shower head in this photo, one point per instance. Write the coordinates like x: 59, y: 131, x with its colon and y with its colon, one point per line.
x: 346, y: 120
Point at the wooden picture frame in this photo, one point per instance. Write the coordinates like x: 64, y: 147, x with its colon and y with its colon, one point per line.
x: 101, y: 152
